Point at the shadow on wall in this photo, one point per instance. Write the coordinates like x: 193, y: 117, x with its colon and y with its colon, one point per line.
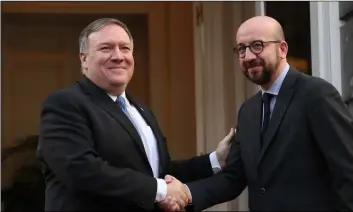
x: 22, y: 183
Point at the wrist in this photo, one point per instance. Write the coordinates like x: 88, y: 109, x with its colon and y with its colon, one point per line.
x: 161, y: 190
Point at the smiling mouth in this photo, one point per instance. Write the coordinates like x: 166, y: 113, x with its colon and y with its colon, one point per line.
x: 255, y: 67
x: 117, y: 68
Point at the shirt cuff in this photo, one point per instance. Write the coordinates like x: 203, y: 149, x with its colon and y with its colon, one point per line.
x: 161, y: 190
x: 189, y: 193
x: 214, y: 161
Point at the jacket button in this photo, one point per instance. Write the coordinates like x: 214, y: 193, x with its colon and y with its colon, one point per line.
x: 263, y: 190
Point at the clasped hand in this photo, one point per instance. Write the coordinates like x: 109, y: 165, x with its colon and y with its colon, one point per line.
x: 177, y: 197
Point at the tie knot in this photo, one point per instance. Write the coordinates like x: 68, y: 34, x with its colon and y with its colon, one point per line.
x: 266, y: 97
x: 121, y: 102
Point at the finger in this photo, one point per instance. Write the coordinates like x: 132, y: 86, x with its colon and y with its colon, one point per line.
x: 227, y: 137
x: 175, y: 208
x: 168, y: 178
x: 165, y: 203
x: 172, y: 204
x: 167, y: 200
x: 231, y: 132
x: 230, y: 135
x: 181, y: 202
x: 184, y: 198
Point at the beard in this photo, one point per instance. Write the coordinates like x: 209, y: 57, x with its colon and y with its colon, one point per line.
x: 261, y: 78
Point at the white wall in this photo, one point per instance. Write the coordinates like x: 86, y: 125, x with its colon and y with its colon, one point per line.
x: 325, y: 42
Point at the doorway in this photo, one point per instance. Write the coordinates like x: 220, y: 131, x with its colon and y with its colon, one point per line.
x: 294, y: 16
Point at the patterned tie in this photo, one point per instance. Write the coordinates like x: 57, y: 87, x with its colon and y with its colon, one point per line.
x: 121, y: 102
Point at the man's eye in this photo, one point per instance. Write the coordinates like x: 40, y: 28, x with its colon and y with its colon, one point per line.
x: 257, y: 45
x: 105, y: 48
x: 241, y: 49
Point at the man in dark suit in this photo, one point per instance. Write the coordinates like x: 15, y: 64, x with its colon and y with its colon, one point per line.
x: 294, y: 142
x: 101, y: 149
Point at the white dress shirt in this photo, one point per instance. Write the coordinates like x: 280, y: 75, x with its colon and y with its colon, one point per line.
x: 150, y: 145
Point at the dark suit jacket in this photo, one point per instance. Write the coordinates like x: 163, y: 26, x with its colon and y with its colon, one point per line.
x: 93, y: 158
x: 307, y: 159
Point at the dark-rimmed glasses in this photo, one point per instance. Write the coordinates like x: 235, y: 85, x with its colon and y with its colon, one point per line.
x: 256, y: 47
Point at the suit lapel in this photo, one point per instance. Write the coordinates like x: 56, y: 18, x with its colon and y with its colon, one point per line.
x: 100, y: 97
x: 282, y: 102
x: 151, y: 121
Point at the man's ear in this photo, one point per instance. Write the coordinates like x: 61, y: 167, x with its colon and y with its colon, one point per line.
x: 83, y: 58
x: 283, y: 49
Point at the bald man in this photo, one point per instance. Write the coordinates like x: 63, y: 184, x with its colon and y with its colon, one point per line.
x: 294, y: 142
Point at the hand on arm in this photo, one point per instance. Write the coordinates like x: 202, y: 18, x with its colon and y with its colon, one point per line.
x: 223, y: 148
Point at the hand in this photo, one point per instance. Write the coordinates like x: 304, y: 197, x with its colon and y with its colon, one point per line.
x: 175, y: 202
x: 169, y: 204
x: 223, y: 148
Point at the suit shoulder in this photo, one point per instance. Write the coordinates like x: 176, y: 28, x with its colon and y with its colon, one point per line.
x: 250, y: 100
x: 316, y: 86
x: 68, y: 95
x: 246, y: 103
x: 313, y: 80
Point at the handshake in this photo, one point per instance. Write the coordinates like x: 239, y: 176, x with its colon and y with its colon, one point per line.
x: 178, y: 195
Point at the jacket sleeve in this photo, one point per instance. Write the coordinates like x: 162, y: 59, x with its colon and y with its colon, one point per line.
x: 192, y: 169
x: 332, y: 128
x: 66, y: 148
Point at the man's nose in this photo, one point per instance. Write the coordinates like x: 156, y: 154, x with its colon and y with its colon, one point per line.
x: 117, y: 54
x: 249, y: 56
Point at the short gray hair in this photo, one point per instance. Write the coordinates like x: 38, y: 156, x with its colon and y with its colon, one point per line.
x: 96, y: 26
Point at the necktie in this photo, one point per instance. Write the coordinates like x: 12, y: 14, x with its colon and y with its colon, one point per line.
x: 121, y: 102
x: 266, y: 99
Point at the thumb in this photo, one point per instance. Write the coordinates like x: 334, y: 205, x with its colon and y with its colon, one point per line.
x: 227, y: 140
x: 168, y: 178
x: 232, y: 131
x: 230, y: 134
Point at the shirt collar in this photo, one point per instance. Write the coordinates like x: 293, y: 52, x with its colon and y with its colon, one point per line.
x: 276, y: 86
x: 122, y: 95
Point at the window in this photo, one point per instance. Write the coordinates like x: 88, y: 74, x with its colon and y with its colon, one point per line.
x: 295, y: 20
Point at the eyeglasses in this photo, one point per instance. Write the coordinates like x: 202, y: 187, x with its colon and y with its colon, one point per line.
x: 256, y: 47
